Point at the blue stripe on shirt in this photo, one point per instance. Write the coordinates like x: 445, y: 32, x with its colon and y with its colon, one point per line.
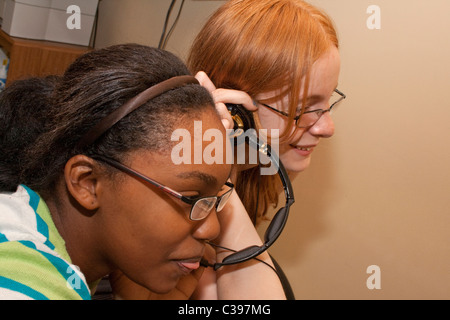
x: 23, y: 289
x: 42, y: 227
x: 3, y: 238
x: 65, y: 270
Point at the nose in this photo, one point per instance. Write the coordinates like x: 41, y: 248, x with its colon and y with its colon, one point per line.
x: 209, y: 228
x: 324, y: 127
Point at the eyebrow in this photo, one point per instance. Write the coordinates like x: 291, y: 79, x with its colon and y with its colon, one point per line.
x: 315, y: 97
x: 310, y: 100
x: 207, y: 178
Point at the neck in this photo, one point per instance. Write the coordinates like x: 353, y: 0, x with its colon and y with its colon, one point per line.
x: 77, y: 229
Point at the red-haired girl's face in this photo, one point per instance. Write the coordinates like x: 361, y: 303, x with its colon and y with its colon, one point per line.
x: 296, y: 153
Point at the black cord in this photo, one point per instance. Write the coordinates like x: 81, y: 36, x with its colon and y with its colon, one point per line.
x: 94, y: 40
x: 277, y: 269
x: 164, y: 37
x: 207, y: 264
x: 169, y: 34
x: 258, y: 184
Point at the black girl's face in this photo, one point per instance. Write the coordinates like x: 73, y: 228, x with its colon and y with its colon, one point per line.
x: 147, y: 232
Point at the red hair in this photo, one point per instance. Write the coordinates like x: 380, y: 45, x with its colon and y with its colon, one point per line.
x: 263, y: 46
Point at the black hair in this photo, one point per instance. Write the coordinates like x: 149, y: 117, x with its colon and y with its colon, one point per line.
x: 22, y: 120
x: 98, y: 83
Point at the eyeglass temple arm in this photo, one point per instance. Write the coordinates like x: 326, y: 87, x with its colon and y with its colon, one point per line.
x: 120, y: 166
x: 340, y: 93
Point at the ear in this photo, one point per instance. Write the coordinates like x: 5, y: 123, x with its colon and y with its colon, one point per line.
x: 82, y: 181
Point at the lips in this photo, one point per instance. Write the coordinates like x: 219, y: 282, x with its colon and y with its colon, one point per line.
x: 187, y: 266
x: 191, y: 265
x: 304, y: 150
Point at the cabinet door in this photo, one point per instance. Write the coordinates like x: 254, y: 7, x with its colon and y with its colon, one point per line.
x: 33, y: 60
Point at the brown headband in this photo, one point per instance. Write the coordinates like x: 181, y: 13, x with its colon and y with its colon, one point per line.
x: 131, y: 105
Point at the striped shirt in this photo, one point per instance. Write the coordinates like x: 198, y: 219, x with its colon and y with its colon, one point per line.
x: 34, y: 263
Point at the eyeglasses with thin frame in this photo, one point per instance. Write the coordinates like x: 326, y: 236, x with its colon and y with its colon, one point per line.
x: 309, y: 118
x: 201, y: 207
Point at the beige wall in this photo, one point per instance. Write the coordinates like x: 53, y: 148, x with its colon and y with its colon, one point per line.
x: 377, y: 193
x: 142, y: 21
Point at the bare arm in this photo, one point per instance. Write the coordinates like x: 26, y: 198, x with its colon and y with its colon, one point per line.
x: 247, y: 280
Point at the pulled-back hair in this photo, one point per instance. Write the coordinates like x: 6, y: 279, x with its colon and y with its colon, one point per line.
x: 22, y: 120
x: 93, y: 87
x: 258, y: 47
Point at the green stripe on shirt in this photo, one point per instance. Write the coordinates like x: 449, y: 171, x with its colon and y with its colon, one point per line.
x: 47, y: 271
x: 29, y: 267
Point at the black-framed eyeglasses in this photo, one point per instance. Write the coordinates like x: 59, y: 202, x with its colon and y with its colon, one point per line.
x: 201, y: 207
x: 309, y: 118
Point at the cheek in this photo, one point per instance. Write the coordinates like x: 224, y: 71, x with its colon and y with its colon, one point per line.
x: 142, y: 232
x: 289, y: 156
x: 292, y: 161
x: 270, y: 121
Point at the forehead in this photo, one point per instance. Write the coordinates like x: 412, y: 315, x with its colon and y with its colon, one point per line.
x: 197, y: 152
x: 324, y: 78
x: 183, y: 176
x: 325, y: 71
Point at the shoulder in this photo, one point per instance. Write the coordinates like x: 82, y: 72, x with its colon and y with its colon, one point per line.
x: 31, y: 267
x: 36, y: 274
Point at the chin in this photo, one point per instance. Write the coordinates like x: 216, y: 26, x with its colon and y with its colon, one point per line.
x: 159, y: 281
x: 162, y: 287
x: 295, y: 165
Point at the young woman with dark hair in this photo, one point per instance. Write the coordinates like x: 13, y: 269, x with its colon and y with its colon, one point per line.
x: 102, y: 193
x: 280, y: 60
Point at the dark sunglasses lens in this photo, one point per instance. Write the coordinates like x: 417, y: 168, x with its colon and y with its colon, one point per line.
x: 243, y: 255
x: 276, y: 226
